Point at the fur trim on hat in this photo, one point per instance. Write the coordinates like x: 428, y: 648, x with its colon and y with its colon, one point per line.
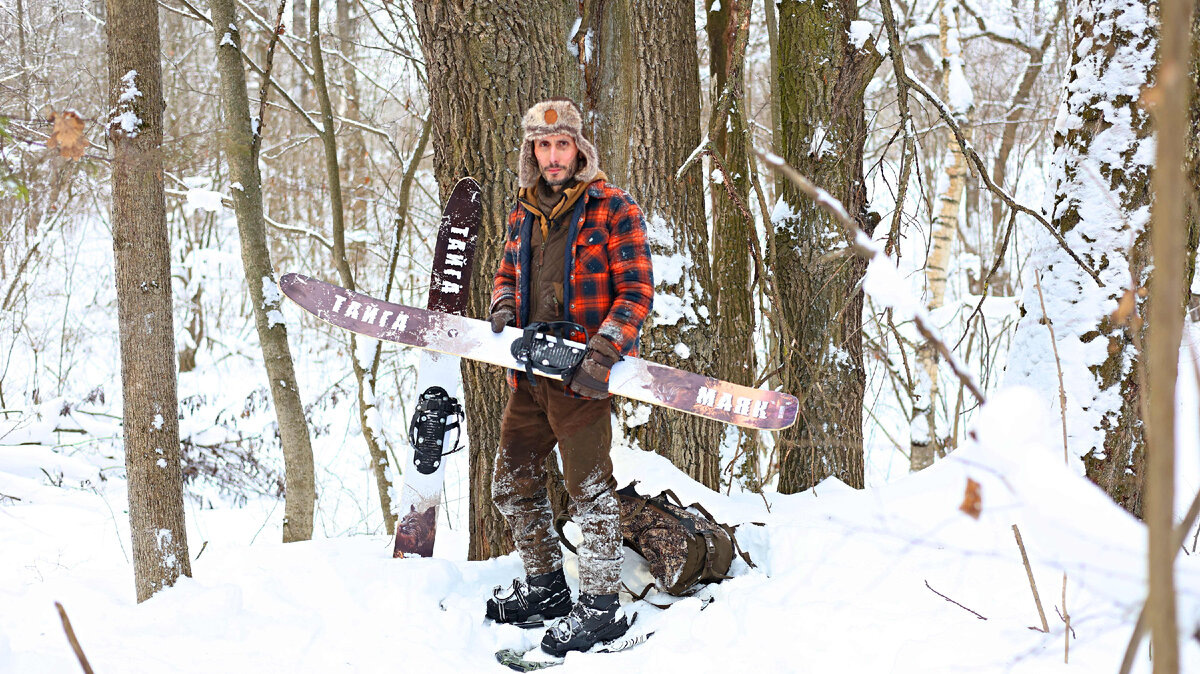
x: 550, y: 118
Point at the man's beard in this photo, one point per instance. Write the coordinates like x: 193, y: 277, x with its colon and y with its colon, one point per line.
x: 563, y: 179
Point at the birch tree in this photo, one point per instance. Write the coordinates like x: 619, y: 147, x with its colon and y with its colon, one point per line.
x: 924, y: 442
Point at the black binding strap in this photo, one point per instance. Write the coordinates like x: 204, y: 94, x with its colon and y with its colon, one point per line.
x: 543, y: 348
x: 436, y: 413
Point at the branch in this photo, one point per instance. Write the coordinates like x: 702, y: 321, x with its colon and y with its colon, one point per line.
x: 977, y: 161
x: 860, y: 244
x: 908, y: 147
x: 66, y: 623
x: 954, y: 602
x: 256, y: 142
x: 1029, y: 571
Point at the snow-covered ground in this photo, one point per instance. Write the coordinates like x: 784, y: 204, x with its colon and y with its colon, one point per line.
x: 847, y: 581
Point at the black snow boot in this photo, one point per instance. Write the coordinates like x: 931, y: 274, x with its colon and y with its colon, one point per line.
x: 531, y: 602
x: 597, y: 618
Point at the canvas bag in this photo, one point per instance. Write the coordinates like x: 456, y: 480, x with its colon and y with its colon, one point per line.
x: 684, y: 545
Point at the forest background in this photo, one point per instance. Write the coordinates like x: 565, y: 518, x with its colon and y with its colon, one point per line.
x: 1002, y: 164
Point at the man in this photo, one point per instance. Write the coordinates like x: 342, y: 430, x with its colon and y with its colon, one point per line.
x: 576, y: 250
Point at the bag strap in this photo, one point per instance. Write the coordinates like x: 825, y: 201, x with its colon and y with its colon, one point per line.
x: 559, y: 523
x: 728, y: 529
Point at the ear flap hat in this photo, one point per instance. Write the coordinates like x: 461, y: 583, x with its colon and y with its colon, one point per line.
x: 550, y: 118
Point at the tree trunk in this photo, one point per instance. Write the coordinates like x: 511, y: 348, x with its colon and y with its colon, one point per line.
x: 1100, y: 206
x: 240, y: 153
x: 142, y: 254
x: 733, y: 227
x: 822, y: 80
x: 924, y: 440
x: 1168, y: 294
x: 487, y: 62
x: 648, y: 124
x: 368, y: 415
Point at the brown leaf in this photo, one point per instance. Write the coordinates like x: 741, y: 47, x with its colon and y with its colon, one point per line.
x: 1125, y: 307
x: 972, y: 499
x: 67, y: 135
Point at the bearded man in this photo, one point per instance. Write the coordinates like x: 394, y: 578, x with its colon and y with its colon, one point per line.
x: 576, y: 251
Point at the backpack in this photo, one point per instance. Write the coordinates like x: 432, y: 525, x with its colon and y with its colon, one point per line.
x: 684, y: 545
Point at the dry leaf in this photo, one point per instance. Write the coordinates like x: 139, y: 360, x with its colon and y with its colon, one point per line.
x: 67, y: 135
x: 1125, y: 307
x: 972, y: 499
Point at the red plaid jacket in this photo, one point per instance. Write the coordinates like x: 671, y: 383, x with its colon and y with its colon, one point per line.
x: 609, y: 286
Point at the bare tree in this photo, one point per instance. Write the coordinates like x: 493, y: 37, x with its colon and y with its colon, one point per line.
x: 1169, y: 236
x: 734, y: 232
x: 823, y: 75
x: 241, y: 143
x: 142, y: 252
x: 368, y: 414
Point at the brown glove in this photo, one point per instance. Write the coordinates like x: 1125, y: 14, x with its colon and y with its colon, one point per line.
x: 590, y: 379
x: 504, y: 314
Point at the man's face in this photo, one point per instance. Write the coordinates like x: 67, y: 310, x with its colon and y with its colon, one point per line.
x: 556, y: 157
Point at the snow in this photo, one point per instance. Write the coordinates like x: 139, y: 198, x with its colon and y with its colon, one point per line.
x: 207, y: 200
x: 131, y: 91
x: 860, y: 32
x: 128, y: 122
x: 833, y: 564
x: 227, y: 41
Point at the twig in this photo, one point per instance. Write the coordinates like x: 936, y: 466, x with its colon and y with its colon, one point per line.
x: 1062, y: 392
x: 908, y: 147
x: 66, y: 623
x: 1066, y: 618
x: 856, y: 239
x: 1007, y: 198
x: 256, y: 141
x: 1033, y: 585
x: 11, y: 498
x: 954, y: 602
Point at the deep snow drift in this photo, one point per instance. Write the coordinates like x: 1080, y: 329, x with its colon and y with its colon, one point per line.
x: 846, y: 581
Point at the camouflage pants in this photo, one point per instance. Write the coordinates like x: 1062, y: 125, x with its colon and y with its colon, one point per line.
x: 535, y: 419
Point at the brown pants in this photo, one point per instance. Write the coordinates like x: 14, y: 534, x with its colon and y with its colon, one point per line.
x: 535, y: 419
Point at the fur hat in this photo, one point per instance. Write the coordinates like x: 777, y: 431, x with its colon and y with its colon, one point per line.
x: 550, y: 118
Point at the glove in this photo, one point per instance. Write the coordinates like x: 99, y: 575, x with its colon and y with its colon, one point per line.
x: 502, y: 315
x: 590, y: 379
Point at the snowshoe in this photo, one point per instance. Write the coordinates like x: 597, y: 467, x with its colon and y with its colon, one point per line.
x: 531, y: 602
x: 595, y: 619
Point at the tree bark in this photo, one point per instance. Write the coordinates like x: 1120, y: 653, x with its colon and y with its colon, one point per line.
x: 368, y: 414
x: 1169, y: 235
x: 822, y: 80
x: 924, y: 441
x: 487, y: 62
x: 1100, y: 206
x: 141, y: 251
x: 734, y: 232
x: 648, y: 126
x: 239, y: 147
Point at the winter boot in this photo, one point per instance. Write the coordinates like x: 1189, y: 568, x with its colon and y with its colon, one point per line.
x: 597, y: 618
x: 531, y: 602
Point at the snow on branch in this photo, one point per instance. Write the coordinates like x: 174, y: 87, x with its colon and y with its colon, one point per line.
x: 882, y: 281
x: 977, y: 162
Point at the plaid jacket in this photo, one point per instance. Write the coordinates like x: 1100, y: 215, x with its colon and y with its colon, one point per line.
x: 609, y: 286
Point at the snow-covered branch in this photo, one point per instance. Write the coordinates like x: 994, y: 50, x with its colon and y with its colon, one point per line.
x: 977, y: 162
x: 882, y: 281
